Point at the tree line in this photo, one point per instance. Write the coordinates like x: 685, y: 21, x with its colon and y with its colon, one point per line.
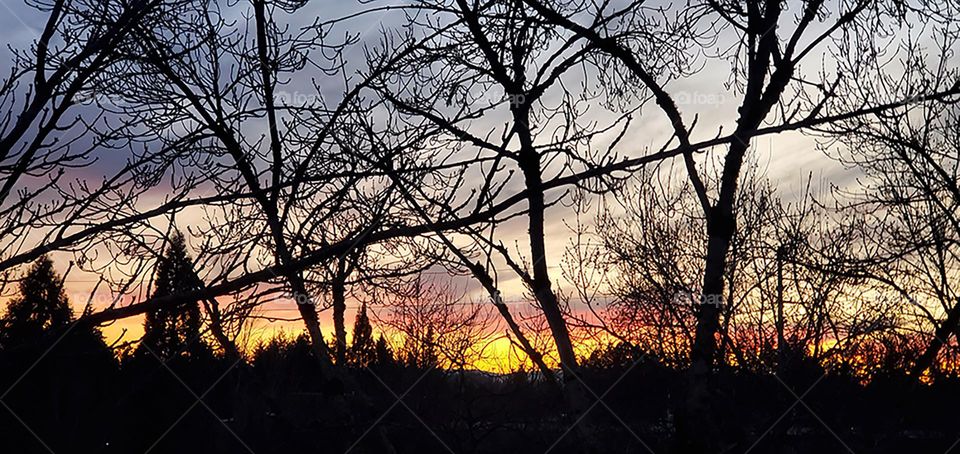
x: 429, y: 144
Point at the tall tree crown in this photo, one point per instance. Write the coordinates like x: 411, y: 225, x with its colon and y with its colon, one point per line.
x: 363, y: 350
x: 41, y: 306
x: 174, y: 330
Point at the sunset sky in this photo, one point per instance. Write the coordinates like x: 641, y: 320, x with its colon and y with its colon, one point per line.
x: 786, y: 159
x: 470, y: 226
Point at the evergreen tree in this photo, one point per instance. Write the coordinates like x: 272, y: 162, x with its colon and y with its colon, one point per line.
x: 42, y: 306
x: 384, y: 353
x: 363, y: 350
x: 56, y: 375
x: 174, y: 330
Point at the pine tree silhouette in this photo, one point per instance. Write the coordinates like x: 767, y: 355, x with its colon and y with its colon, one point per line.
x: 55, y: 374
x: 174, y: 330
x: 384, y: 353
x: 41, y: 307
x: 363, y: 351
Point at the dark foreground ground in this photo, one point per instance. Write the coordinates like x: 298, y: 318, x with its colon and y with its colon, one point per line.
x: 279, y: 403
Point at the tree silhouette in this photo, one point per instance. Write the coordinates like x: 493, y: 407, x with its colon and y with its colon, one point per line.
x: 363, y: 351
x: 41, y: 307
x: 171, y: 331
x: 40, y: 348
x: 383, y: 352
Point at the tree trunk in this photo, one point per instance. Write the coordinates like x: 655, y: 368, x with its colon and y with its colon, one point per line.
x: 540, y: 283
x: 338, y: 291
x: 696, y: 430
x: 781, y: 338
x: 575, y: 394
x: 950, y: 325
